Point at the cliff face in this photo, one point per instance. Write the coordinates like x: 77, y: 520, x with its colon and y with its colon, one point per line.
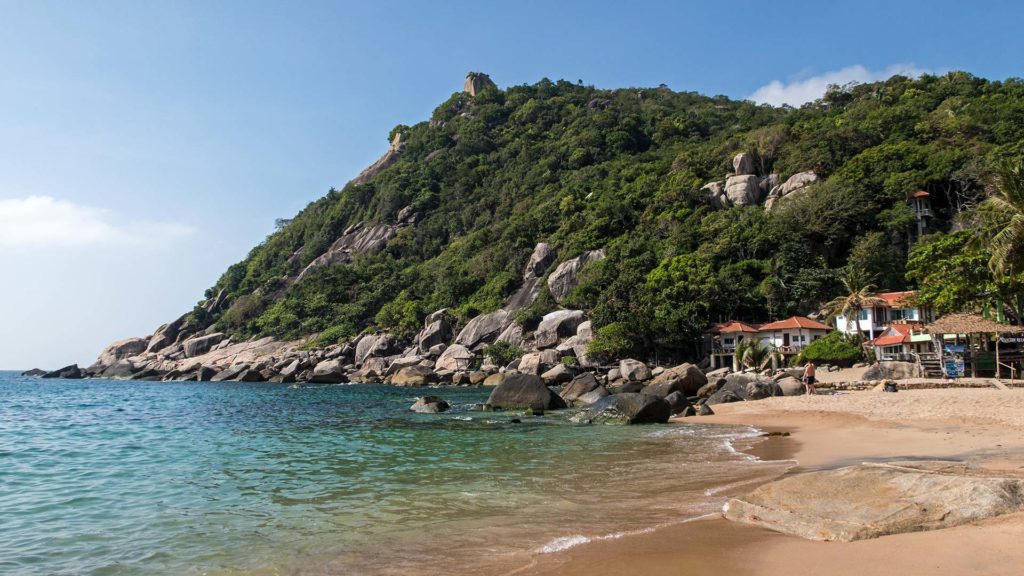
x: 646, y: 214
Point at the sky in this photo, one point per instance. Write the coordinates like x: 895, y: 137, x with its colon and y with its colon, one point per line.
x: 146, y: 146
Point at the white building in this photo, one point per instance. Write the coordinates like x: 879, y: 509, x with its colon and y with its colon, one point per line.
x: 895, y: 307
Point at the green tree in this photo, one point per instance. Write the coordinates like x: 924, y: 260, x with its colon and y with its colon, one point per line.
x: 1002, y: 220
x: 857, y: 289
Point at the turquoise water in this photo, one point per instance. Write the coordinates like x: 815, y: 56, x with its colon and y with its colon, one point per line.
x: 101, y: 477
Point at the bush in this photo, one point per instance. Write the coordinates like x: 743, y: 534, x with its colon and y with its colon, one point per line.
x: 834, y: 348
x: 503, y: 353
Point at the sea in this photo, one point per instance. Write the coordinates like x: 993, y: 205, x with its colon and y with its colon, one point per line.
x: 103, y: 477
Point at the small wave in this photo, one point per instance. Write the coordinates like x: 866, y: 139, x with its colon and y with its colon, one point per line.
x: 563, y: 543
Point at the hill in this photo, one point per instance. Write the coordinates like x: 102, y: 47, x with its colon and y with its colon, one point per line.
x: 653, y: 212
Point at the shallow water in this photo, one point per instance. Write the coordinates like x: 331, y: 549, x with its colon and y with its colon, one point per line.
x: 103, y: 477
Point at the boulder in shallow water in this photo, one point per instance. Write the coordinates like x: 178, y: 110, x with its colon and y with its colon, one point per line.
x: 34, y: 372
x: 414, y: 376
x: 72, y: 372
x: 678, y: 402
x: 429, y: 405
x: 329, y: 372
x: 580, y: 385
x: 592, y: 396
x: 517, y: 391
x: 871, y: 500
x: 627, y: 408
x: 560, y: 374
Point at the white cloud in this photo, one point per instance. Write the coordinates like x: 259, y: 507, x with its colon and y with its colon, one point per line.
x: 46, y: 222
x: 800, y: 91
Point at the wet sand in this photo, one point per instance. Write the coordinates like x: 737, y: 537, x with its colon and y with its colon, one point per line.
x: 983, y: 427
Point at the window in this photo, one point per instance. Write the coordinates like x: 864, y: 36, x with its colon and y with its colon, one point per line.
x: 727, y: 341
x: 904, y: 314
x: 864, y: 314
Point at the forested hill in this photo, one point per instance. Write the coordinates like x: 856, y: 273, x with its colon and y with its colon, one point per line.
x: 450, y: 216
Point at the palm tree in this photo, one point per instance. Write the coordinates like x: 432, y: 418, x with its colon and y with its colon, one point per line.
x: 1002, y: 220
x: 754, y: 353
x: 857, y: 286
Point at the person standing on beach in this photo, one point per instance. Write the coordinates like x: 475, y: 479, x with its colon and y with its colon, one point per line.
x: 809, y: 378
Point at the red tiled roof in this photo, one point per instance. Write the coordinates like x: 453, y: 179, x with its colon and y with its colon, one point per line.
x: 921, y: 194
x: 733, y: 326
x: 793, y: 323
x: 902, y: 334
x: 895, y: 299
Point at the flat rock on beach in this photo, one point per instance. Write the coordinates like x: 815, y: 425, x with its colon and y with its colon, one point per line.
x: 871, y: 500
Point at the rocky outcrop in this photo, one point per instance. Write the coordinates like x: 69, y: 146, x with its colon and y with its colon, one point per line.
x: 71, y: 372
x: 592, y: 397
x: 714, y: 194
x: 166, y: 335
x: 542, y: 258
x: 455, y: 358
x: 518, y: 391
x: 437, y: 330
x: 634, y: 370
x: 329, y: 372
x: 743, y: 163
x: 414, y: 376
x: 580, y: 385
x: 484, y: 329
x: 872, y: 500
x: 356, y: 239
x: 477, y: 82
x: 557, y: 325
x: 384, y: 162
x: 685, y: 378
x: 201, y: 344
x: 35, y: 372
x: 566, y: 276
x: 628, y: 408
x: 559, y: 374
x: 792, y: 184
x: 121, y: 349
x: 375, y: 346
x: 743, y: 190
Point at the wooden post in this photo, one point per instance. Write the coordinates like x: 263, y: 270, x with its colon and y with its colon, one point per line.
x: 974, y: 357
x: 999, y: 367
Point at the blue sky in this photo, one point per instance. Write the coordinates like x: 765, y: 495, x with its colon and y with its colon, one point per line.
x: 145, y: 146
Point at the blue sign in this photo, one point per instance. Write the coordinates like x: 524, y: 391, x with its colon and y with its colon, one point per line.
x: 954, y: 367
x: 954, y: 348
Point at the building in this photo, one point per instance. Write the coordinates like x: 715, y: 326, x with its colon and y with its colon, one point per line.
x: 788, y: 336
x: 894, y: 307
x: 921, y: 202
x: 901, y: 341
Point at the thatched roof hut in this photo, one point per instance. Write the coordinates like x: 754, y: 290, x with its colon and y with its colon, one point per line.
x: 970, y: 324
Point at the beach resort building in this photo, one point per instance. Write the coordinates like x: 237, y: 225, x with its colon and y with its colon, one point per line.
x: 788, y: 336
x: 901, y: 340
x: 894, y: 307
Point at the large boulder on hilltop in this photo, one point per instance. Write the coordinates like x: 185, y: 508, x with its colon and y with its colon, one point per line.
x: 414, y: 376
x: 893, y: 370
x: 329, y: 372
x: 455, y: 358
x: 375, y: 346
x: 634, y: 370
x: 743, y: 190
x: 543, y: 256
x: 580, y: 385
x: 477, y: 82
x: 628, y: 408
x: 517, y: 391
x: 557, y: 325
x: 685, y: 378
x: 484, y: 329
x: 743, y: 163
x: 566, y: 276
x: 878, y: 499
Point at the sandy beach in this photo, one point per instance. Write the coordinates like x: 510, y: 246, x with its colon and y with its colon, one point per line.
x: 980, y: 426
